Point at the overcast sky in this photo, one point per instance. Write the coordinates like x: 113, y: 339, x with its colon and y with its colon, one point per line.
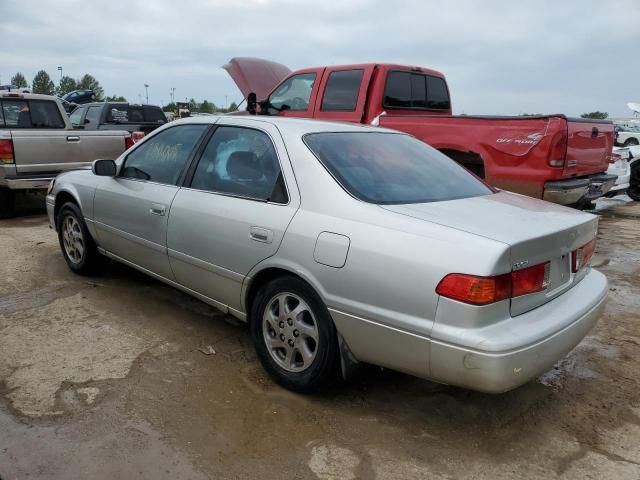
x: 500, y: 57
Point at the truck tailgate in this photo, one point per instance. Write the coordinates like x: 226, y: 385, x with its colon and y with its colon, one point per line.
x: 589, y: 147
x: 52, y: 151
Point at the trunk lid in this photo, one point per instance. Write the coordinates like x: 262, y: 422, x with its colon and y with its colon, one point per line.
x: 256, y: 75
x: 589, y: 147
x: 535, y: 231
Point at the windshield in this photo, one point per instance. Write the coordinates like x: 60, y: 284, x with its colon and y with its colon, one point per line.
x: 293, y: 94
x: 387, y: 168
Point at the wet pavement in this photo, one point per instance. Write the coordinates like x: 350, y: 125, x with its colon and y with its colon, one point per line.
x: 123, y: 377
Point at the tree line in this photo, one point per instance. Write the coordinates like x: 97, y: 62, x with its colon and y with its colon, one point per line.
x: 43, y: 84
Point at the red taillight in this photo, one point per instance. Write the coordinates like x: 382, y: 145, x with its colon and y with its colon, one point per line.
x: 477, y: 290
x: 582, y: 256
x: 558, y: 151
x: 137, y: 136
x: 6, y: 151
x: 128, y: 143
x: 530, y: 280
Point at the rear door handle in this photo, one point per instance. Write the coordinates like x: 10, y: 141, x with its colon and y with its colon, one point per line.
x: 261, y: 234
x: 157, y: 209
x: 73, y: 139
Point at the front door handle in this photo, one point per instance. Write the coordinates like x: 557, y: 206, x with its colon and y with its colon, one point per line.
x: 261, y: 234
x: 157, y: 209
x: 73, y: 139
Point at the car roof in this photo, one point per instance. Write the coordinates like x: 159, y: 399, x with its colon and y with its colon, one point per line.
x: 299, y: 126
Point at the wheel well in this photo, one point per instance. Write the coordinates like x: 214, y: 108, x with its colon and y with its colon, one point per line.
x: 61, y: 199
x: 472, y: 161
x: 262, y: 278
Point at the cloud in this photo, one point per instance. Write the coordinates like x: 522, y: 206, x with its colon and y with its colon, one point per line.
x: 500, y: 57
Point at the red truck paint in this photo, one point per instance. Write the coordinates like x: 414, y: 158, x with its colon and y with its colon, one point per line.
x: 550, y: 156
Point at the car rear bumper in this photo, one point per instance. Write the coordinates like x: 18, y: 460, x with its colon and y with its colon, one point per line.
x: 575, y: 190
x: 576, y: 312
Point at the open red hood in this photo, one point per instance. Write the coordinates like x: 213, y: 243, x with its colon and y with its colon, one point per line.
x: 256, y: 75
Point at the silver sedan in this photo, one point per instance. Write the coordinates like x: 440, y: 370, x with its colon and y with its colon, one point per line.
x: 341, y: 244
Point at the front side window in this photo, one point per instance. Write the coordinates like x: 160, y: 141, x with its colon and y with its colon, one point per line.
x: 76, y: 117
x: 93, y: 117
x: 162, y: 158
x: 385, y: 168
x: 241, y: 162
x: 293, y: 94
x: 341, y: 92
x: 412, y: 90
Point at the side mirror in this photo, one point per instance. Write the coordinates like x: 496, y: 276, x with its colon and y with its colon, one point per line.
x: 104, y: 168
x: 252, y: 103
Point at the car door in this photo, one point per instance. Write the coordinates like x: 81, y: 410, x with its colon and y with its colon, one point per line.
x: 131, y: 209
x: 343, y: 93
x: 233, y: 212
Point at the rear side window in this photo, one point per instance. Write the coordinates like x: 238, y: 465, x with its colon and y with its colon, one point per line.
x: 161, y: 159
x: 386, y: 168
x: 125, y: 114
x: 341, y: 92
x: 416, y: 91
x: 31, y: 114
x: 241, y: 162
x: 154, y: 115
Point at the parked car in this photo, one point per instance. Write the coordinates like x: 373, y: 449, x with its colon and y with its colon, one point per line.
x: 37, y: 142
x: 626, y: 167
x: 80, y: 97
x: 14, y: 88
x: 560, y: 159
x: 118, y: 116
x: 627, y: 136
x: 341, y: 243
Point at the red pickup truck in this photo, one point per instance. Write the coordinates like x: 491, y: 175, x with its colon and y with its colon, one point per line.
x: 553, y: 157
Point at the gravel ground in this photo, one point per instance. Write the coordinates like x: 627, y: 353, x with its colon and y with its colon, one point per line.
x: 106, y: 378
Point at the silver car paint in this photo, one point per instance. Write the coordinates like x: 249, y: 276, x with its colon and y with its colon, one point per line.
x: 382, y: 299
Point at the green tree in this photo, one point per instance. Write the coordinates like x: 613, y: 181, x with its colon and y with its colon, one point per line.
x: 88, y: 82
x: 42, y: 83
x: 66, y: 85
x: 193, y: 105
x: 206, y: 107
x: 233, y: 107
x: 18, y: 80
x: 595, y: 115
x: 115, y: 98
x: 169, y: 107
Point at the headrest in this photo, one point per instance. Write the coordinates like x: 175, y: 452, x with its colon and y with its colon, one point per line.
x: 242, y: 165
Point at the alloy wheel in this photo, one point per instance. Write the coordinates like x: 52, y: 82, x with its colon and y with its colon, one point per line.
x: 73, y: 240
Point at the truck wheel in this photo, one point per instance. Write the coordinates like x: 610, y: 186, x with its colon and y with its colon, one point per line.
x: 7, y: 203
x: 78, y: 248
x: 634, y: 182
x: 294, y: 336
x: 630, y: 142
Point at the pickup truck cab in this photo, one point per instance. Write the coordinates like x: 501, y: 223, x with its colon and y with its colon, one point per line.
x: 117, y: 116
x: 37, y: 142
x: 560, y: 159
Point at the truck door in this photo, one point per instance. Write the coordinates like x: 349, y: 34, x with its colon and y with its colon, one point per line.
x: 296, y: 95
x: 343, y: 93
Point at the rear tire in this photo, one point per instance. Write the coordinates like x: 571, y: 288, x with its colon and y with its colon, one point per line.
x: 294, y: 336
x: 634, y: 182
x: 78, y: 248
x: 7, y: 203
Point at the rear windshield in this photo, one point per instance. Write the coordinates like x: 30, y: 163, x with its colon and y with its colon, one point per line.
x: 387, y: 168
x: 135, y: 114
x: 19, y: 113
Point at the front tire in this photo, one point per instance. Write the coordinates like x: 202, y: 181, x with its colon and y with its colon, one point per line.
x: 630, y: 142
x: 294, y: 336
x: 78, y: 248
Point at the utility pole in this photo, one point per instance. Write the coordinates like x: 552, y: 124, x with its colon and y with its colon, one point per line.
x: 146, y: 90
x: 173, y: 94
x: 60, y: 70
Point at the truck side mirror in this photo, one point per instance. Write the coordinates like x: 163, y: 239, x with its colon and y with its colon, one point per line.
x: 104, y: 168
x: 252, y: 103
